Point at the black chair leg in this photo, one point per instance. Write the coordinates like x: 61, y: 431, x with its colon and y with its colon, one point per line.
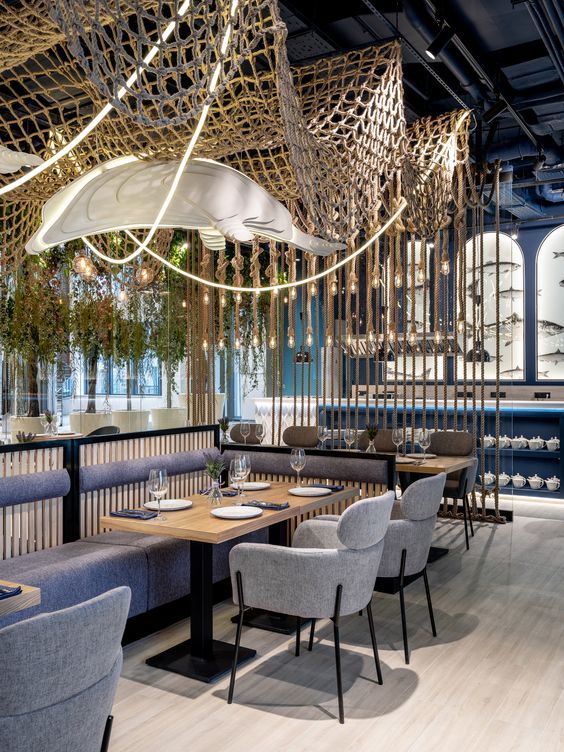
x: 374, y: 644
x: 402, y: 607
x: 107, y: 733
x: 237, y: 638
x: 298, y: 634
x: 311, y: 635
x: 428, y: 593
x: 469, y: 516
x: 465, y: 513
x: 338, y: 653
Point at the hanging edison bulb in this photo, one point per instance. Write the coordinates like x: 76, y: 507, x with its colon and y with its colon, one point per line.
x: 122, y: 295
x: 421, y: 275
x: 353, y: 287
x: 348, y: 339
x: 309, y: 337
x: 371, y: 335
x: 293, y: 293
x: 291, y: 338
x: 391, y: 334
x: 206, y: 298
x: 313, y: 289
x: 144, y: 275
x: 272, y: 342
x: 412, y: 335
x: 238, y: 297
x: 445, y: 265
x: 256, y: 340
x: 334, y: 287
x: 183, y: 304
x: 205, y: 345
x: 329, y: 340
x: 223, y: 300
x: 398, y: 278
x: 285, y: 299
x: 438, y: 336
x: 221, y: 344
x: 376, y: 276
x: 237, y: 343
x: 460, y: 325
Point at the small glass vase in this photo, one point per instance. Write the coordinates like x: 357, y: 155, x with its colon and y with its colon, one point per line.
x: 215, y: 497
x: 224, y: 437
x: 371, y: 449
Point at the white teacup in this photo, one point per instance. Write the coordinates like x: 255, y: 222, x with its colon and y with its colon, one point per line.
x: 553, y: 484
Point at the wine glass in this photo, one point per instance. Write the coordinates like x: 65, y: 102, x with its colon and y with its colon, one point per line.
x: 245, y: 429
x: 158, y: 487
x: 237, y: 474
x: 397, y: 438
x: 297, y: 461
x: 424, y: 440
x: 322, y: 434
x: 259, y: 432
x: 349, y: 437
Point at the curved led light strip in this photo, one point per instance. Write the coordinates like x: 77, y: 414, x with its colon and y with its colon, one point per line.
x: 105, y: 111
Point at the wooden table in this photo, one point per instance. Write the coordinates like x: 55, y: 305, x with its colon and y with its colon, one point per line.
x: 30, y: 596
x: 201, y: 657
x: 441, y: 464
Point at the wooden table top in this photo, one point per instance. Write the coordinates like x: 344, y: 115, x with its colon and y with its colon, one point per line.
x: 30, y: 596
x: 197, y: 524
x: 441, y: 464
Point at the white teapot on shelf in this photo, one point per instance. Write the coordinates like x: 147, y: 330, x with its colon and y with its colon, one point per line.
x: 553, y: 444
x: 553, y: 484
x: 504, y: 442
x: 518, y: 442
x: 536, y: 482
x: 518, y: 480
x: 503, y: 479
x: 489, y: 478
x: 488, y: 441
x: 536, y: 443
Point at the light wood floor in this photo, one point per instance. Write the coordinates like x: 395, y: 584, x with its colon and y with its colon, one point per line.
x: 492, y: 681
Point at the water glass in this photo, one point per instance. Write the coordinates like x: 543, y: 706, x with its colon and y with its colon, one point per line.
x: 424, y: 440
x: 158, y: 487
x: 245, y: 430
x: 322, y: 434
x: 298, y: 461
x: 350, y: 437
x: 259, y: 432
x: 237, y: 473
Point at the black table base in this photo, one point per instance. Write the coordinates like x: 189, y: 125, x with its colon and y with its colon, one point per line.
x: 217, y: 663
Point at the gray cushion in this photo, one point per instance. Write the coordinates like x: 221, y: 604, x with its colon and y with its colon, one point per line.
x: 108, y: 475
x: 58, y: 676
x: 382, y: 443
x: 362, y: 525
x: 75, y: 572
x: 453, y: 443
x: 237, y: 436
x: 300, y: 436
x: 21, y: 489
x: 421, y: 499
x: 354, y: 468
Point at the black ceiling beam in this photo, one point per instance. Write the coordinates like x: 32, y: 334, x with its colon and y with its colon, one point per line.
x: 517, y: 54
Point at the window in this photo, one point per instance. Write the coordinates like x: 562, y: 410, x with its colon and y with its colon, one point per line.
x: 112, y: 379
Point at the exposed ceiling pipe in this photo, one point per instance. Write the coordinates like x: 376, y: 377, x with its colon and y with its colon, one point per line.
x: 546, y: 18
x: 521, y: 147
x: 425, y: 25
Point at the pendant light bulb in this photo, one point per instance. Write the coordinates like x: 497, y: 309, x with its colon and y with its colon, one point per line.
x: 293, y: 293
x: 371, y: 335
x: 183, y: 304
x: 309, y: 338
x: 272, y: 342
x: 421, y: 275
x: 313, y: 289
x: 460, y: 325
x: 206, y: 298
x: 256, y: 340
x: 445, y: 266
x: 238, y: 297
x: 122, y: 295
x: 398, y: 279
x: 329, y: 340
x: 334, y: 288
x: 349, y: 339
x: 221, y: 344
x: 391, y: 334
x: 438, y: 337
x: 285, y: 299
x: 237, y: 343
x: 291, y: 341
x: 205, y: 345
x: 413, y: 337
x: 223, y: 300
x: 353, y: 287
x: 375, y: 277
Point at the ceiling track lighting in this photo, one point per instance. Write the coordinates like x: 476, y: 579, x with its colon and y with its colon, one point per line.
x: 439, y: 42
x: 494, y: 111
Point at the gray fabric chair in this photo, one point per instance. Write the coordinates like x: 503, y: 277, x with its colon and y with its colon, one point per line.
x: 408, y: 540
x: 58, y: 677
x: 300, y: 437
x: 237, y: 436
x: 104, y: 431
x: 315, y: 583
x: 451, y: 443
x: 459, y: 486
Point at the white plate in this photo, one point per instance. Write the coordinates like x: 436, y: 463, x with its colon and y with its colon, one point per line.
x: 168, y: 505
x: 405, y: 461
x: 419, y: 455
x: 236, y: 513
x: 309, y: 491
x: 252, y: 485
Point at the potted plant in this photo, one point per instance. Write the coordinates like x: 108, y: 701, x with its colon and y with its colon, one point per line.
x: 214, y: 468
x: 224, y: 427
x: 34, y: 319
x: 371, y: 432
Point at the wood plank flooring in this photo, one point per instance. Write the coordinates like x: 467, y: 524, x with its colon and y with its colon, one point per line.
x: 493, y: 679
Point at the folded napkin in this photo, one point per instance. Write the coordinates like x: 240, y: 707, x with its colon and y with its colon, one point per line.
x: 326, y: 485
x: 274, y: 505
x: 6, y: 591
x: 136, y: 514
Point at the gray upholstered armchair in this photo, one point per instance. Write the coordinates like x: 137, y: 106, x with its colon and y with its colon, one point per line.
x: 58, y: 676
x: 315, y: 583
x: 408, y: 540
x: 459, y: 486
x: 301, y: 436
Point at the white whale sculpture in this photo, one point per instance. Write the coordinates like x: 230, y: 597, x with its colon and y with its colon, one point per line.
x: 12, y: 161
x: 126, y: 193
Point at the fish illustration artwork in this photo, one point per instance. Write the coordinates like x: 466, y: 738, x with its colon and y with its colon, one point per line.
x: 551, y: 328
x: 557, y: 254
x: 544, y: 374
x: 510, y: 372
x: 561, y: 283
x: 555, y: 357
x: 510, y: 293
x: 504, y: 267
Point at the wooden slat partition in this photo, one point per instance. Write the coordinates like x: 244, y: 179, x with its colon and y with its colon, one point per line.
x: 94, y: 504
x: 30, y: 527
